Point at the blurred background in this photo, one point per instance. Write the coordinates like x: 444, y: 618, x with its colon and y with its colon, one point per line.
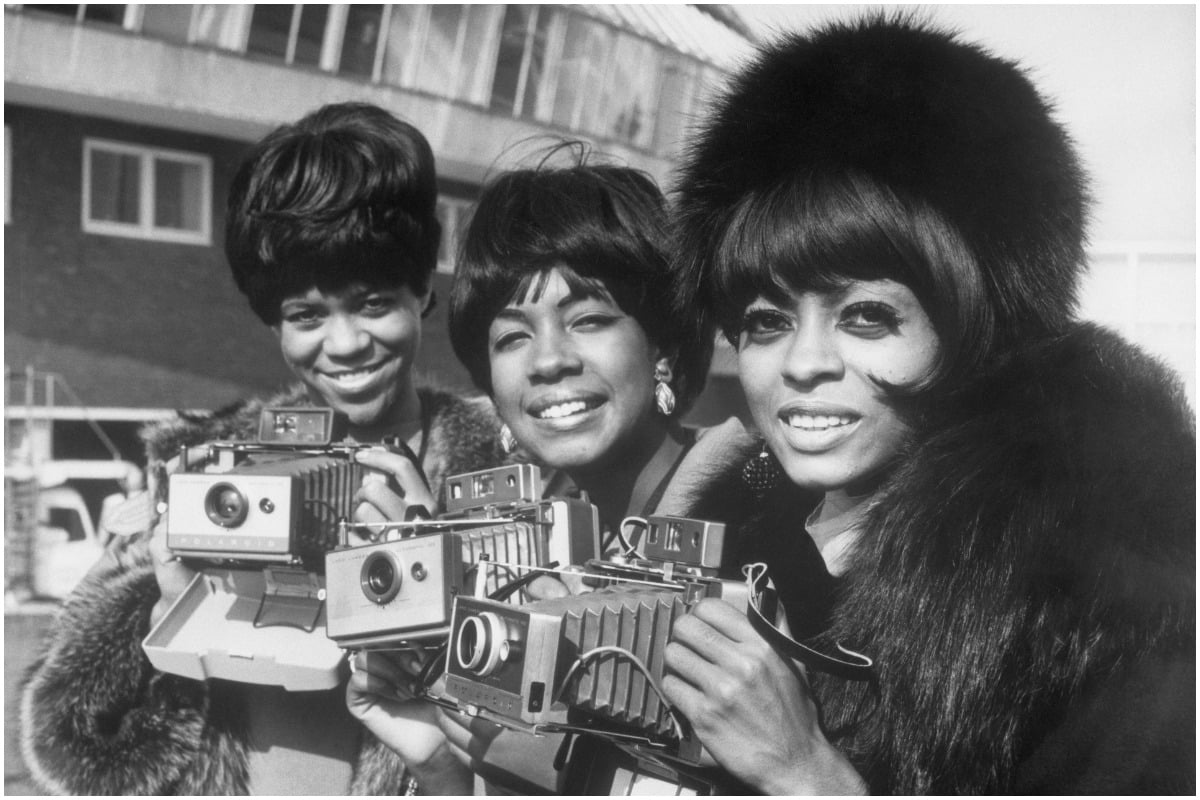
x: 123, y: 125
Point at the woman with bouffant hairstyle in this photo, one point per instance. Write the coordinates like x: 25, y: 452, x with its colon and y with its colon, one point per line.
x: 888, y: 224
x: 331, y: 234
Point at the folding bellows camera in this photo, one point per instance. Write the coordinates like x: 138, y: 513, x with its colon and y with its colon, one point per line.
x: 593, y: 661
x: 494, y: 527
x: 276, y: 500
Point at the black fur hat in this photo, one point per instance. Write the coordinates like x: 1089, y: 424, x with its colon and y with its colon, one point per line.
x: 935, y: 121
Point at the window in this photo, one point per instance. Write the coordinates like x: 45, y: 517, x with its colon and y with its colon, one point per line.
x: 91, y: 12
x: 219, y: 25
x: 632, y: 95
x: 361, y: 40
x: 455, y: 215
x: 405, y: 23
x: 292, y: 33
x: 146, y: 193
x: 7, y: 175
x: 167, y: 21
x: 675, y: 114
x: 67, y: 519
x: 581, y: 71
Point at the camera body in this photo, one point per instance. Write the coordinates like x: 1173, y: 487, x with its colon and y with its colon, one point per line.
x: 403, y: 589
x: 275, y: 500
x: 593, y: 660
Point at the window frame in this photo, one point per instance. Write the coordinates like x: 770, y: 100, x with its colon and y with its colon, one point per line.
x: 145, y: 227
x: 458, y: 213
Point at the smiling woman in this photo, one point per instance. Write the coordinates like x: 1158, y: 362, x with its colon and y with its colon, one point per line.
x: 355, y: 349
x: 332, y: 234
x: 813, y: 367
x: 888, y: 223
x: 559, y: 311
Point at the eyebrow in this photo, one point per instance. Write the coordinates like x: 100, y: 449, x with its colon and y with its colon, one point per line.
x: 514, y: 312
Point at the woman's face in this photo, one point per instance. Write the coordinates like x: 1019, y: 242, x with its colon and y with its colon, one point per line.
x: 354, y: 349
x: 572, y: 375
x: 807, y: 367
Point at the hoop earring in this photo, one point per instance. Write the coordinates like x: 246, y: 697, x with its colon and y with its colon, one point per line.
x: 508, y: 442
x: 664, y: 395
x: 762, y: 472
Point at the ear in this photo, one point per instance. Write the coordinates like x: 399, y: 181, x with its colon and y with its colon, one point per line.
x: 277, y: 330
x: 428, y: 302
x: 664, y: 367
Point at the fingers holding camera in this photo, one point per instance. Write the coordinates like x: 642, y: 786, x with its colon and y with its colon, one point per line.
x: 409, y: 484
x: 393, y: 491
x: 171, y: 574
x: 750, y: 707
x: 377, y: 695
x: 469, y: 738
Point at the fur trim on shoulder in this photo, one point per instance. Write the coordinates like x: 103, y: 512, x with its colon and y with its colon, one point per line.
x: 464, y: 435
x: 236, y: 422
x: 1037, y: 545
x: 463, y: 432
x: 705, y: 464
x: 96, y: 718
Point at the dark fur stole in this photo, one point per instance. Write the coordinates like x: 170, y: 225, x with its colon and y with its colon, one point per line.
x: 1037, y: 549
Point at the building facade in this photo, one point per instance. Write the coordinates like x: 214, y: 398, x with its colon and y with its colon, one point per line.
x: 123, y: 125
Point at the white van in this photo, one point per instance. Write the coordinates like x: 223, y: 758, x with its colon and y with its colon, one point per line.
x: 66, y: 542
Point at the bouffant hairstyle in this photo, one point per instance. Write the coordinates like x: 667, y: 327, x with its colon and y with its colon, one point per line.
x: 886, y: 148
x: 347, y: 194
x: 606, y: 224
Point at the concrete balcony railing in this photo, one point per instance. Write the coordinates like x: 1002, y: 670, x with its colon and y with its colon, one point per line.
x: 113, y: 73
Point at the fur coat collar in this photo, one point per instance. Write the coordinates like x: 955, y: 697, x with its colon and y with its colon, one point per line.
x: 1036, y: 547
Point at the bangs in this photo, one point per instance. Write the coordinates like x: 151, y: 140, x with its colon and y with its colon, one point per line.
x: 812, y: 238
x: 532, y: 285
x: 822, y: 233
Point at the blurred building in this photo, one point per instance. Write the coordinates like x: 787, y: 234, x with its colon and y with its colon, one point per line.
x: 123, y: 125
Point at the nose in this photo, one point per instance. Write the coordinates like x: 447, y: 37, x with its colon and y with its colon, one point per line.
x: 344, y: 337
x: 813, y: 355
x: 553, y: 355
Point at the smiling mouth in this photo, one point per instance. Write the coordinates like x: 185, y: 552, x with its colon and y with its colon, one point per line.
x: 353, y: 379
x: 816, y: 422
x: 567, y: 408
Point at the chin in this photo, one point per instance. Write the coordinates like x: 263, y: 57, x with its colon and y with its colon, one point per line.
x: 362, y: 414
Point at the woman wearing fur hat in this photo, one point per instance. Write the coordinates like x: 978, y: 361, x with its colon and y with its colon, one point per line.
x: 888, y: 225
x: 332, y: 235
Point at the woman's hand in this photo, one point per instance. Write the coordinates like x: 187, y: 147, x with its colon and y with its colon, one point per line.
x: 515, y: 760
x: 750, y: 708
x: 377, y: 501
x: 378, y: 695
x: 172, y: 575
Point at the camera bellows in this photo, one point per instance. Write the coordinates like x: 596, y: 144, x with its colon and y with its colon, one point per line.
x: 614, y: 626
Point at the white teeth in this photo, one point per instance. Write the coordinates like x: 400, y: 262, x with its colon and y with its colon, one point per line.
x: 348, y: 377
x: 817, y: 422
x: 563, y: 410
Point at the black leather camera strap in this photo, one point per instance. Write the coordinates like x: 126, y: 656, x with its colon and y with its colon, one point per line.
x: 848, y: 664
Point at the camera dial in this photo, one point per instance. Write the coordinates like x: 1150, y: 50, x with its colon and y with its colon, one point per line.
x: 226, y: 505
x: 381, y: 576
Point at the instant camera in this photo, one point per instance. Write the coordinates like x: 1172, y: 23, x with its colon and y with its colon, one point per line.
x: 495, y: 530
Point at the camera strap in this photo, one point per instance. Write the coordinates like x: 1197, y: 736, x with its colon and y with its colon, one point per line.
x: 849, y: 665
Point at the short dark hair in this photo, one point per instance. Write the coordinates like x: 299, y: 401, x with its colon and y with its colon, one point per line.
x: 606, y: 224
x: 346, y: 194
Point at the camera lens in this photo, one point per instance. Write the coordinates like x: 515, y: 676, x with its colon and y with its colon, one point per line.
x: 380, y: 576
x: 226, y: 505
x: 481, y: 643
